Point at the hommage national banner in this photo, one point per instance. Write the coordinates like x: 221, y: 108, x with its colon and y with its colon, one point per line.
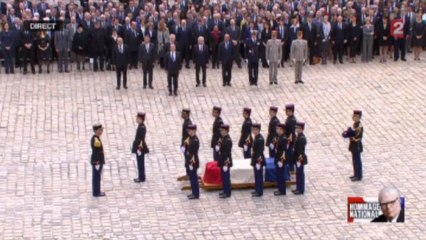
x: 365, y: 209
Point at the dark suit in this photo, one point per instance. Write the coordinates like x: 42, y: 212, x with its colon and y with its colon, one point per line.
x: 246, y: 138
x: 338, y: 36
x: 28, y: 37
x: 258, y: 158
x: 133, y: 40
x: 121, y: 62
x: 283, y: 36
x: 382, y: 218
x: 98, y: 47
x: 201, y: 58
x: 309, y: 34
x: 400, y: 43
x: 139, y: 144
x: 8, y: 40
x: 235, y: 35
x: 172, y: 66
x: 252, y: 55
x: 225, y: 153
x: 183, y: 36
x: 226, y: 53
x: 147, y: 58
x: 299, y: 153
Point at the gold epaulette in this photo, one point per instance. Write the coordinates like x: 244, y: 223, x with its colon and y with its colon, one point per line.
x: 98, y: 143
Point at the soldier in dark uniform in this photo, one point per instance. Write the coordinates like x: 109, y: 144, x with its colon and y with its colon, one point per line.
x: 246, y: 139
x: 225, y: 160
x: 281, y: 158
x: 216, y: 132
x: 185, y: 137
x: 192, y: 161
x: 300, y: 158
x: 272, y: 131
x: 258, y: 160
x: 290, y: 132
x: 97, y: 160
x: 139, y: 147
x: 355, y: 146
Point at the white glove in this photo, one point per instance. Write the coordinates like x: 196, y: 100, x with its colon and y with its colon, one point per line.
x: 298, y: 164
x: 245, y: 148
x: 280, y: 164
x: 271, y: 146
x: 138, y: 152
x: 217, y: 148
x: 258, y: 166
x: 225, y: 168
x: 97, y: 167
x: 267, y: 61
x: 182, y: 149
x: 191, y: 167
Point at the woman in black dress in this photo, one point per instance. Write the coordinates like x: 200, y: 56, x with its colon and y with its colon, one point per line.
x: 111, y: 43
x: 43, y: 50
x: 418, y: 36
x: 264, y: 37
x: 354, y: 36
x: 383, y: 34
x: 79, y: 46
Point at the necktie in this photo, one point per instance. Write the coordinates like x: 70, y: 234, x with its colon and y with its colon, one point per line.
x: 147, y: 47
x: 340, y: 26
x: 201, y: 48
x: 226, y: 45
x: 121, y: 49
x: 174, y: 57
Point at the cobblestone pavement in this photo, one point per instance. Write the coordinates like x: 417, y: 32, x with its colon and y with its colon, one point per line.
x: 45, y: 176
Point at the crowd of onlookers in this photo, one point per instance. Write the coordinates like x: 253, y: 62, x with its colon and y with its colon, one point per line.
x: 333, y: 29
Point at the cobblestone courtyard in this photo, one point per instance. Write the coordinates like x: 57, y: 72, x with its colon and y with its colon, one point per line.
x: 45, y: 175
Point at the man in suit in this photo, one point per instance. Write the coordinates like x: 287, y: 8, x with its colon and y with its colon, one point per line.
x: 338, y: 39
x: 226, y: 53
x: 246, y: 140
x: 252, y: 54
x: 192, y: 162
x: 309, y: 34
x: 355, y: 146
x: 299, y: 53
x: 184, y: 38
x: 258, y: 160
x: 98, y: 39
x: 225, y: 160
x: 201, y: 59
x: 3, y: 8
x: 147, y: 57
x: 215, y: 143
x: 27, y: 49
x: 173, y: 64
x: 390, y: 203
x: 97, y: 160
x: 281, y: 158
x: 273, y: 56
x: 120, y: 57
x: 300, y: 158
x: 234, y: 33
x: 292, y: 35
x: 185, y: 140
x: 283, y: 36
x: 133, y: 40
x: 139, y: 147
x: 271, y: 139
x: 63, y: 48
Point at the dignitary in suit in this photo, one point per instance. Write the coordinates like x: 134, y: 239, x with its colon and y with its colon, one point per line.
x: 98, y: 40
x: 226, y: 53
x: 272, y: 131
x: 201, y: 59
x: 367, y: 41
x: 309, y: 34
x: 299, y: 53
x: 283, y: 36
x: 133, y: 39
x: 27, y: 49
x: 215, y: 144
x: 252, y: 55
x: 63, y: 48
x: 281, y: 158
x: 140, y: 147
x: 185, y: 115
x: 225, y: 160
x: 192, y: 162
x: 246, y: 140
x: 7, y: 38
x: 338, y: 39
x: 79, y: 46
x: 234, y: 33
x: 273, y: 56
x: 258, y: 160
x: 120, y: 58
x: 290, y: 132
x: 173, y: 64
x: 355, y: 146
x: 325, y: 34
x: 147, y: 58
x: 390, y: 203
x: 183, y: 37
x: 97, y: 160
x: 354, y: 38
x: 300, y: 158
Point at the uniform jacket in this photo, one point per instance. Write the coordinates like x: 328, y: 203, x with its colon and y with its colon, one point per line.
x: 226, y: 55
x: 216, y: 131
x: 281, y: 149
x: 246, y: 138
x: 252, y: 50
x: 258, y: 147
x: 272, y: 130
x: 355, y: 143
x: 299, y: 149
x: 225, y: 151
x: 120, y: 59
x: 185, y: 135
x: 290, y: 127
x: 97, y: 151
x: 147, y: 57
x: 192, y: 152
x: 139, y: 141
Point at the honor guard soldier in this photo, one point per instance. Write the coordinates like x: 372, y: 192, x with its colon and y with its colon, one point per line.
x: 192, y: 161
x: 290, y: 132
x: 300, y: 158
x: 355, y: 146
x: 97, y: 160
x: 139, y: 147
x: 225, y: 160
x: 258, y: 160
x: 246, y: 139
x: 185, y: 137
x: 281, y: 159
x: 272, y: 131
x: 216, y: 131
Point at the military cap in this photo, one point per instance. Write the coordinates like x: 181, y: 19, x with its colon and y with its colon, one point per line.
x: 256, y: 125
x: 141, y: 115
x: 247, y: 110
x: 281, y: 125
x: 301, y: 125
x: 97, y: 126
x: 186, y: 110
x: 225, y: 127
x: 289, y: 107
x: 216, y: 108
x: 358, y: 112
x: 273, y: 108
x: 192, y: 127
